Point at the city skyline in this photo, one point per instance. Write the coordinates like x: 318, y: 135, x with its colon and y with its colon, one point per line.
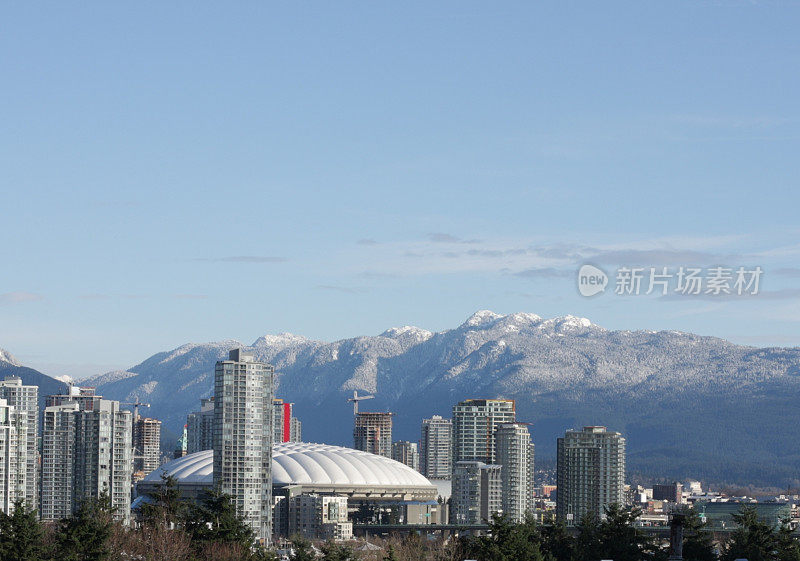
x: 404, y: 167
x: 402, y: 281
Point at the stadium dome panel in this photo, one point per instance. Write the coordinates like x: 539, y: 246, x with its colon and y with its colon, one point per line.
x: 310, y: 468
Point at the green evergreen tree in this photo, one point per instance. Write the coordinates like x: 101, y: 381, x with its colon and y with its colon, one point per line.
x: 557, y: 544
x: 168, y: 508
x: 21, y: 534
x: 506, y: 541
x: 332, y: 551
x: 216, y: 519
x: 698, y: 543
x: 302, y: 550
x: 754, y: 539
x: 788, y: 548
x: 620, y: 540
x: 84, y: 535
x: 587, y: 545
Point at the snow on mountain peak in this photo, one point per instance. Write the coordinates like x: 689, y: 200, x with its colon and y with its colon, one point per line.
x: 6, y: 356
x: 565, y: 323
x: 408, y: 331
x: 281, y: 339
x: 573, y: 321
x: 522, y: 318
x: 481, y: 317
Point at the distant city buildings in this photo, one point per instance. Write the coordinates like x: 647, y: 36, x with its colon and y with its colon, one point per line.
x: 85, y: 453
x: 372, y: 432
x: 200, y: 427
x: 474, y: 425
x: 515, y: 455
x: 436, y: 448
x: 672, y: 492
x: 406, y: 453
x: 243, y: 431
x: 25, y: 403
x: 590, y: 473
x: 286, y: 427
x: 146, y: 445
x: 476, y: 492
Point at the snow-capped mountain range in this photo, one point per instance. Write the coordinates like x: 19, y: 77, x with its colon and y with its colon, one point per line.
x: 689, y: 406
x: 8, y: 358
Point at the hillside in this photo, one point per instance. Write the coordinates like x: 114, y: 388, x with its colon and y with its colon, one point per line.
x: 689, y: 405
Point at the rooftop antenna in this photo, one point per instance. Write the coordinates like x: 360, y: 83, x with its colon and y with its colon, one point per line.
x: 356, y: 398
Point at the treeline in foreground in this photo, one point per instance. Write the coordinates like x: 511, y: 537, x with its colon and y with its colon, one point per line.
x: 616, y: 537
x: 175, y: 530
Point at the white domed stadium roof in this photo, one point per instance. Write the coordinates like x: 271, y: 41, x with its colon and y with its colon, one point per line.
x: 307, y: 464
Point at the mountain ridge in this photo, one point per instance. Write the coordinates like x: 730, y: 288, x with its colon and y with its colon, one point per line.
x: 689, y: 405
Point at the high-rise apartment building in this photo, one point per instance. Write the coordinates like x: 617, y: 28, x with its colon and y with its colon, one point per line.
x: 25, y: 401
x: 474, y: 425
x: 58, y: 456
x: 13, y: 454
x: 243, y: 390
x: 515, y: 455
x: 200, y: 427
x: 477, y: 492
x: 373, y: 433
x: 436, y: 448
x: 287, y: 428
x: 85, y: 453
x: 146, y: 445
x: 590, y: 473
x: 406, y: 453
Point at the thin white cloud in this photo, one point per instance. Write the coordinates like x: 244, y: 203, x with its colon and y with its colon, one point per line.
x: 20, y: 297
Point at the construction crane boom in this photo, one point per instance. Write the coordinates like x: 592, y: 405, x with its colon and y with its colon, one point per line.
x: 136, y: 404
x: 356, y: 398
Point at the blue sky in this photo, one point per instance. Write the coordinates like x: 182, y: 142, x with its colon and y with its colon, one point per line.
x: 199, y: 171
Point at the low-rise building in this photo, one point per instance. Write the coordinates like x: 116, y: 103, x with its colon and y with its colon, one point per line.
x: 316, y: 517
